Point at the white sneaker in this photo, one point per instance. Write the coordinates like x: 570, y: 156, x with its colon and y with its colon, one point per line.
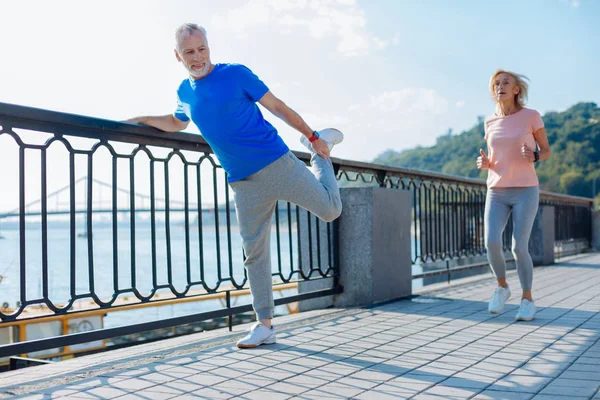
x: 498, y: 299
x: 526, y: 311
x: 331, y: 136
x: 259, y: 334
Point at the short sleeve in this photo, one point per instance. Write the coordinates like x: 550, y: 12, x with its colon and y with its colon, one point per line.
x: 536, y: 121
x: 180, y: 113
x: 252, y: 86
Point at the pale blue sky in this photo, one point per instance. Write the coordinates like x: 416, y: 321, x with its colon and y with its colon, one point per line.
x: 389, y: 73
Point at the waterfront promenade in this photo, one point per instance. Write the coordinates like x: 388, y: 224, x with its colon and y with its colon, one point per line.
x: 440, y: 344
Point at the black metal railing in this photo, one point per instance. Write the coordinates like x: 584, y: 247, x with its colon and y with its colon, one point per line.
x: 572, y: 226
x: 448, y: 214
x: 156, y: 205
x: 100, y: 214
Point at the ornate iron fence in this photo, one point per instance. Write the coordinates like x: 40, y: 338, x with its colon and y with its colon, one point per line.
x: 106, y: 215
x: 167, y: 197
x: 448, y: 213
x: 572, y: 224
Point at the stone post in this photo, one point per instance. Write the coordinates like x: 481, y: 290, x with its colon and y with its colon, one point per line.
x: 374, y: 249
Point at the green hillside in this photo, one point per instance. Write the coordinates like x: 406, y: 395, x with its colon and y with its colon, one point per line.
x: 574, y: 137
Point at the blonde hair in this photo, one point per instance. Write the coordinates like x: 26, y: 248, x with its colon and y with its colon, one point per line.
x: 520, y: 81
x: 187, y: 29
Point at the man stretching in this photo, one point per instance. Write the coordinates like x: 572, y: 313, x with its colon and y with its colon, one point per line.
x: 221, y: 100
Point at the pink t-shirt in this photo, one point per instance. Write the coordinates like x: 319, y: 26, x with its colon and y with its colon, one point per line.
x: 505, y: 137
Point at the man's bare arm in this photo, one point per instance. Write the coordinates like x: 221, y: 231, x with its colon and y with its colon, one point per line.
x: 167, y: 123
x: 293, y: 119
x: 286, y: 114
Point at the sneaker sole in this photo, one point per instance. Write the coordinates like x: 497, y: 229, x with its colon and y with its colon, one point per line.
x: 335, y: 136
x: 523, y: 319
x: 305, y: 142
x: 253, y: 346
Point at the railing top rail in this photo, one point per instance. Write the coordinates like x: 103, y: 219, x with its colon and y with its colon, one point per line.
x: 358, y: 166
x: 92, y: 127
x: 85, y: 126
x: 567, y: 198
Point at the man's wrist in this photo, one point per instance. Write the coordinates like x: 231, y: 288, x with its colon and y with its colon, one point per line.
x: 314, y: 137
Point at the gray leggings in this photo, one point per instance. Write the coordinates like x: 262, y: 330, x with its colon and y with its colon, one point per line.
x: 287, y: 179
x: 523, y: 202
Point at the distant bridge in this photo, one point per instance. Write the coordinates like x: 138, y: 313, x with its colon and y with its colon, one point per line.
x: 140, y: 204
x: 34, y: 208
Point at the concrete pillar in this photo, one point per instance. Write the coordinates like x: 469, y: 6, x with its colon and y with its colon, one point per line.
x: 374, y: 239
x: 596, y: 230
x: 541, y: 242
x: 374, y: 249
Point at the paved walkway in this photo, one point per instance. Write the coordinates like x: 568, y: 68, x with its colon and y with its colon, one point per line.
x: 442, y: 345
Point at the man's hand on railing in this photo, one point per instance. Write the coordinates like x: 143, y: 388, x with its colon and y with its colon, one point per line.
x: 167, y: 123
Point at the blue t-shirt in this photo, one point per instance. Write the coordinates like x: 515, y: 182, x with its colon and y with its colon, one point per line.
x: 223, y: 106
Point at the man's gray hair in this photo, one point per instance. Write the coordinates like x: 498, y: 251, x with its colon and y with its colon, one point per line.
x: 184, y: 30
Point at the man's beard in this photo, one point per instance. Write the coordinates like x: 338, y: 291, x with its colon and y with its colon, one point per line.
x: 199, y: 74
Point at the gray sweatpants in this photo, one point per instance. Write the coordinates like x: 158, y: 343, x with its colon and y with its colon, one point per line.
x: 287, y: 179
x: 523, y: 202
